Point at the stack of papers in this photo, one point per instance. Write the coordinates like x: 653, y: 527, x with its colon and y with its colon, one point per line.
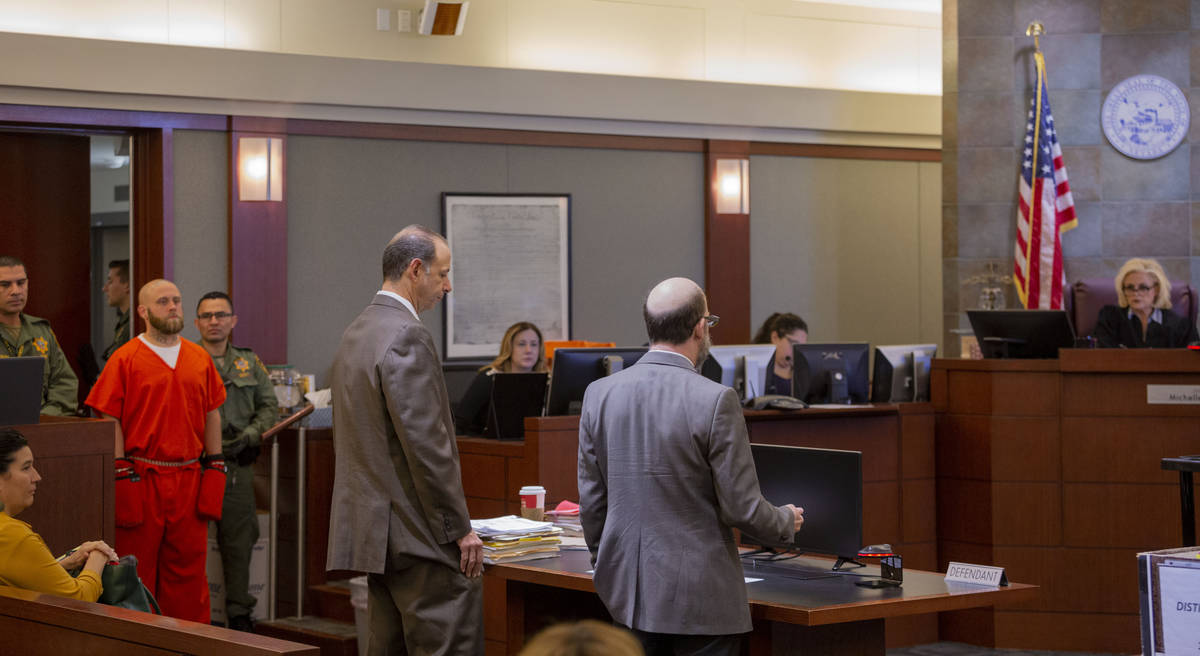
x: 511, y: 539
x: 566, y: 516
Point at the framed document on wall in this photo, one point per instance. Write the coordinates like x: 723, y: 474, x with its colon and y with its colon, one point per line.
x: 511, y: 261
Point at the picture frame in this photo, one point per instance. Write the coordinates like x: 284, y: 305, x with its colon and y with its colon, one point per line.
x: 511, y: 261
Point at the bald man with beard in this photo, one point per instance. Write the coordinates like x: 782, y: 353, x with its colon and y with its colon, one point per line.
x: 665, y: 471
x: 165, y: 395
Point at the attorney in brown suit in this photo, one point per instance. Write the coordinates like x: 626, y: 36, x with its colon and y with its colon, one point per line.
x: 399, y: 513
x: 664, y: 472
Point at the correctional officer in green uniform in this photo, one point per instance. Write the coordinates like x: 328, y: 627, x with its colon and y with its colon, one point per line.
x: 116, y: 292
x: 23, y: 335
x: 250, y: 408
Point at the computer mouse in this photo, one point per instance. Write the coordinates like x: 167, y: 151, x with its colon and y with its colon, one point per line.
x: 876, y: 550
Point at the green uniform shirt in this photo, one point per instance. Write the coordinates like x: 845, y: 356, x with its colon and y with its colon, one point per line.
x: 250, y: 406
x: 120, y: 334
x: 60, y: 387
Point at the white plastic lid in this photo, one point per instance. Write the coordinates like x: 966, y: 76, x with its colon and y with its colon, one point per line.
x: 532, y: 489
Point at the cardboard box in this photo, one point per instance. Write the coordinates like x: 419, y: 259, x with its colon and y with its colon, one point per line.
x: 258, y: 572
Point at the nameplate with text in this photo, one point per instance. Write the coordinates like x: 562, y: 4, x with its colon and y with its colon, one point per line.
x: 976, y: 574
x: 1173, y: 394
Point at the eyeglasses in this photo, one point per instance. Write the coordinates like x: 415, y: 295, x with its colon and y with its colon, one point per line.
x: 711, y: 319
x: 219, y: 316
x: 1139, y: 289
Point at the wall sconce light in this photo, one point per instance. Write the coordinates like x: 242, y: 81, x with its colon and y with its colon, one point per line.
x: 733, y: 186
x: 260, y: 168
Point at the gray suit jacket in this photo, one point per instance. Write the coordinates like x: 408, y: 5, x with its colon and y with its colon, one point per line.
x: 664, y: 471
x: 397, y: 487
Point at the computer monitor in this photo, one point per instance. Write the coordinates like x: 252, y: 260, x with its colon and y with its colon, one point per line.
x: 1021, y: 333
x: 576, y: 368
x: 827, y: 483
x: 21, y: 390
x: 513, y: 398
x: 743, y: 367
x: 902, y: 373
x: 831, y: 373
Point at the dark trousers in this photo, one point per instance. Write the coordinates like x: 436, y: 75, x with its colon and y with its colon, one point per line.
x: 424, y: 607
x: 237, y: 531
x: 674, y: 644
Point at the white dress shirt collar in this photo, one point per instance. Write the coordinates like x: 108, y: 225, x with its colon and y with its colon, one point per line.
x: 1155, y: 316
x: 403, y: 301
x: 685, y: 358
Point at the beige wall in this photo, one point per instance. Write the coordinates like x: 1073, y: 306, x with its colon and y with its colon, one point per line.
x: 145, y: 76
x: 782, y: 42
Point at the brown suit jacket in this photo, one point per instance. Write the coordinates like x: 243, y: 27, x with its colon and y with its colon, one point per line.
x: 397, y: 488
x: 664, y: 471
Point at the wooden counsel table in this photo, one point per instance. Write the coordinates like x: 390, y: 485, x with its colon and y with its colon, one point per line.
x: 1052, y: 469
x: 899, y: 500
x: 820, y: 616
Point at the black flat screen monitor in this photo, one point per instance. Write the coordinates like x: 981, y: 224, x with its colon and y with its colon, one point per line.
x: 826, y: 483
x: 576, y: 368
x: 831, y: 373
x: 1021, y: 333
x: 21, y: 390
x: 743, y: 367
x: 902, y: 373
x: 514, y: 397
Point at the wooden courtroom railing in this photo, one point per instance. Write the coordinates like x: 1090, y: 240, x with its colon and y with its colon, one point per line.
x: 75, y: 496
x: 35, y: 623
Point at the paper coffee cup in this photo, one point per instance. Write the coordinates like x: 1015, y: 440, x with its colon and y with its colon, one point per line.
x: 533, y: 502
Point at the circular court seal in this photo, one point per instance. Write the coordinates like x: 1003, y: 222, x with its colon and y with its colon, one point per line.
x: 1145, y: 116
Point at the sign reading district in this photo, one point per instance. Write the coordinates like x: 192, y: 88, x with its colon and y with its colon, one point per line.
x: 1145, y: 116
x: 1180, y: 595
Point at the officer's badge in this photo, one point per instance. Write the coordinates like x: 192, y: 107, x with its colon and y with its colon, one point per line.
x: 242, y: 365
x: 42, y: 345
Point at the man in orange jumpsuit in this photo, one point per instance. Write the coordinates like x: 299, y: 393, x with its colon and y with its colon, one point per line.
x: 165, y: 395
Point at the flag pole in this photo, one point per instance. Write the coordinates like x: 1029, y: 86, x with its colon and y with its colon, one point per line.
x: 1035, y: 29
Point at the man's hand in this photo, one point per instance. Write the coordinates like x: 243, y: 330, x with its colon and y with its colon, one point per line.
x: 471, y: 547
x: 797, y: 516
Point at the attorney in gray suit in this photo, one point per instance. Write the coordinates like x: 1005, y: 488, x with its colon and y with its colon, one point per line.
x: 399, y: 513
x: 664, y: 472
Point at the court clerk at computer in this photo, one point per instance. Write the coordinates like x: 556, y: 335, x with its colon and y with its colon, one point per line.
x: 1144, y: 318
x: 520, y: 352
x: 783, y: 329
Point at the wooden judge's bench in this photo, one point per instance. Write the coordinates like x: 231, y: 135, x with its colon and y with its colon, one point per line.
x: 1052, y: 469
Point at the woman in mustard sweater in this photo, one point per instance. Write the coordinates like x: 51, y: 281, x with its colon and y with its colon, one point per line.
x: 25, y: 562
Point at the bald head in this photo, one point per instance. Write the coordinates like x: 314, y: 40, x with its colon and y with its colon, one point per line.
x: 155, y: 289
x: 161, y: 306
x: 672, y: 311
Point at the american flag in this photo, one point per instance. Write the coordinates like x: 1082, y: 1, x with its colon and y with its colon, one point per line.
x: 1046, y: 209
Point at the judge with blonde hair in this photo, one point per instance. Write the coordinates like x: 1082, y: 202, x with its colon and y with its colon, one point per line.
x: 1144, y: 318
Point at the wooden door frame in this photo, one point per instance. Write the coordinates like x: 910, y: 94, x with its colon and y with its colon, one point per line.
x: 153, y: 193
